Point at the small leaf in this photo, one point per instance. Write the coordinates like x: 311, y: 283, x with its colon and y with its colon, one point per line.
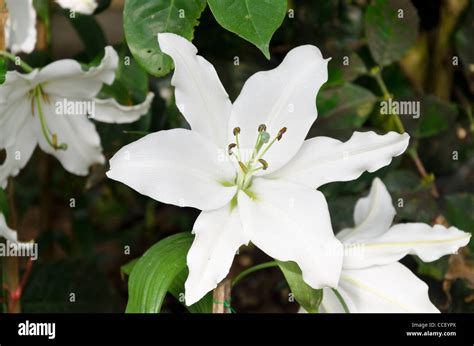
x: 143, y: 20
x: 345, y: 68
x: 436, y: 116
x: 460, y: 212
x: 391, y: 28
x: 254, y: 20
x: 345, y: 106
x: 308, y: 297
x: 161, y: 269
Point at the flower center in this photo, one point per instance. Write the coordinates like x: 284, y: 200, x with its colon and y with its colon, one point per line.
x: 256, y: 162
x: 36, y: 95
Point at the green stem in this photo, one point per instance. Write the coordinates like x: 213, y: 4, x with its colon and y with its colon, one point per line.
x: 253, y: 269
x: 341, y: 300
x: 377, y: 75
x: 27, y: 68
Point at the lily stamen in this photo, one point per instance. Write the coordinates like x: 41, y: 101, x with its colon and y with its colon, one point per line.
x: 51, y: 138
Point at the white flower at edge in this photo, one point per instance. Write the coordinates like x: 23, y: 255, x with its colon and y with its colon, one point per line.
x: 28, y: 105
x: 372, y: 279
x: 9, y: 234
x: 265, y: 190
x: 79, y: 6
x: 20, y: 29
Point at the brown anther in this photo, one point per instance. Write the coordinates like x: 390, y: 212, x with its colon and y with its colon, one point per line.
x: 281, y: 133
x: 262, y: 128
x: 264, y: 163
x: 230, y: 147
x: 236, y: 131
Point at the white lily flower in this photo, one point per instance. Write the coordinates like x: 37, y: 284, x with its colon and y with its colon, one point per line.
x: 20, y: 29
x: 248, y: 167
x: 79, y: 6
x: 51, y: 106
x: 372, y: 279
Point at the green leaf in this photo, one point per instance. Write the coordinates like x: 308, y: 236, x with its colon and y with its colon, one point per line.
x: 460, y: 211
x: 177, y: 290
x: 436, y: 116
x: 90, y: 33
x: 254, y: 20
x: 143, y: 20
x: 308, y: 297
x: 161, y: 269
x: 345, y: 68
x: 126, y: 269
x: 391, y: 28
x: 345, y: 106
x: 3, y: 70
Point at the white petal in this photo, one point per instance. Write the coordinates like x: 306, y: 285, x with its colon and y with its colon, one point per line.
x: 18, y: 154
x: 79, y: 6
x: 323, y: 160
x: 179, y: 167
x: 13, y: 117
x: 383, y: 289
x: 6, y: 232
x: 373, y: 215
x: 110, y: 111
x: 219, y: 235
x: 77, y: 131
x: 20, y: 30
x: 66, y: 78
x: 291, y: 223
x: 331, y: 303
x: 16, y: 87
x: 200, y: 96
x: 282, y: 97
x: 429, y: 243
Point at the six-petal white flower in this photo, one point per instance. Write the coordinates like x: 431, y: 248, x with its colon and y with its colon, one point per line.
x: 248, y: 167
x: 28, y: 114
x: 20, y: 29
x: 372, y: 279
x: 79, y: 6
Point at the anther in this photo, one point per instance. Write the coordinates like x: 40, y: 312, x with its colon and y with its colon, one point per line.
x: 281, y: 133
x: 230, y: 147
x: 264, y: 163
x: 243, y: 167
x: 236, y: 131
x: 262, y: 128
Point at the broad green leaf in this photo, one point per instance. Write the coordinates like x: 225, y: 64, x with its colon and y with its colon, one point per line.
x: 308, y: 297
x: 177, y: 290
x: 90, y: 33
x: 344, y: 106
x: 127, y: 268
x: 391, y: 28
x: 161, y: 269
x: 143, y: 20
x: 436, y: 116
x: 3, y: 70
x: 254, y: 20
